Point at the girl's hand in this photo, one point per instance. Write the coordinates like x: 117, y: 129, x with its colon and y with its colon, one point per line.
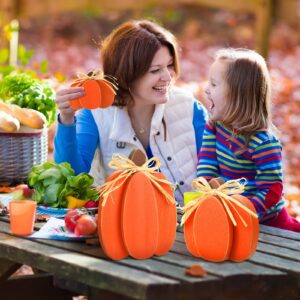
x: 63, y: 98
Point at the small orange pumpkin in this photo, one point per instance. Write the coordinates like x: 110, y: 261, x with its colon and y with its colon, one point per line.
x: 136, y: 219
x: 209, y: 229
x: 98, y: 93
x: 208, y: 232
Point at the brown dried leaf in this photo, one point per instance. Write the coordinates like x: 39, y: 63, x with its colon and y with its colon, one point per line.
x: 195, y: 271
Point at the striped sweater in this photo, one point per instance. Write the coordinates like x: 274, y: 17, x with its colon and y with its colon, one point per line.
x: 260, y: 164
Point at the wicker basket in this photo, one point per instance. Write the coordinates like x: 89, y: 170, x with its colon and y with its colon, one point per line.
x: 19, y: 152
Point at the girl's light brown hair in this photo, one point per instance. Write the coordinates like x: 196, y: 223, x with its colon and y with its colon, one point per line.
x: 128, y: 51
x: 248, y: 92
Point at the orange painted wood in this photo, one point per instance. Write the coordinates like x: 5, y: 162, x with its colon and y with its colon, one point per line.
x: 189, y: 235
x: 245, y: 239
x: 75, y: 103
x: 109, y: 223
x: 167, y: 218
x: 107, y: 94
x: 140, y: 217
x: 212, y: 230
x: 92, y: 97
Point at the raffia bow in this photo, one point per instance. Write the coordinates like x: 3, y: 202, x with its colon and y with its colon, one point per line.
x: 231, y: 187
x: 95, y: 75
x: 128, y: 168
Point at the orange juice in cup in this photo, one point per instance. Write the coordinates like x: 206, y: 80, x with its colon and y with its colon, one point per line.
x: 22, y: 216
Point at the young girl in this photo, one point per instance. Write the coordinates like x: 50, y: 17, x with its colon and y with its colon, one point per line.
x: 239, y: 138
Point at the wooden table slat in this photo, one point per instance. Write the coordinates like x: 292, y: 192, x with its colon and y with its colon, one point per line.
x: 223, y: 269
x: 154, y: 266
x: 277, y: 262
x: 270, y: 255
x: 277, y: 240
x: 100, y: 273
x: 273, y: 271
x: 278, y: 251
x: 281, y: 233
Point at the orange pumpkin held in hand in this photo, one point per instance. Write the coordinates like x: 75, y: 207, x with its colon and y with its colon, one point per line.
x: 92, y: 97
x: 75, y: 103
x: 99, y: 92
x: 137, y: 211
x: 107, y: 93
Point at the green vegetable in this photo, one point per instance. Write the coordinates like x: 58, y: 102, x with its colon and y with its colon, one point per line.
x: 26, y: 91
x: 53, y: 182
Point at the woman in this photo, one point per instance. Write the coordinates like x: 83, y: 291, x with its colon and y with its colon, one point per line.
x: 148, y: 113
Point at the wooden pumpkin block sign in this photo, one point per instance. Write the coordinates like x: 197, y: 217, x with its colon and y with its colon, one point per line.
x: 99, y: 92
x: 137, y: 210
x: 219, y: 223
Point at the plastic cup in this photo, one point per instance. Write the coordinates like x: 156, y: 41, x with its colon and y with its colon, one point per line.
x: 189, y: 196
x: 22, y: 216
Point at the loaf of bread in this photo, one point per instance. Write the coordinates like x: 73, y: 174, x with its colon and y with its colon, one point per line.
x: 8, y: 123
x: 28, y: 117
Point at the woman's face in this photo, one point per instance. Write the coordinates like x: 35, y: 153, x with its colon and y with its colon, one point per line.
x: 153, y: 87
x: 216, y: 90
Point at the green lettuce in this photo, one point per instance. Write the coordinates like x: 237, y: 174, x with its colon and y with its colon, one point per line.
x: 53, y: 182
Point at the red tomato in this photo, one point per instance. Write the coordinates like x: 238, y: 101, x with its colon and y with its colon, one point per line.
x: 72, y: 218
x: 86, y: 225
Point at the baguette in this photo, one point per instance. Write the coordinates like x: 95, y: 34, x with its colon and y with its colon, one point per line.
x: 28, y: 117
x: 8, y: 123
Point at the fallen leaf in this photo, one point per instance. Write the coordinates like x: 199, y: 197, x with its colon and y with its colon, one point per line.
x: 195, y: 271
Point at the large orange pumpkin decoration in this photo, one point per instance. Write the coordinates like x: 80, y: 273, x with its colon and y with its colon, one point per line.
x: 219, y: 227
x: 99, y: 92
x: 137, y: 211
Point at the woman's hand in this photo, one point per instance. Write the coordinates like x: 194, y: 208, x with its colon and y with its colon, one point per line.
x: 63, y: 98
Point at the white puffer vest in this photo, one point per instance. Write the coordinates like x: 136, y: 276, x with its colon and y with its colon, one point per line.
x: 172, y: 139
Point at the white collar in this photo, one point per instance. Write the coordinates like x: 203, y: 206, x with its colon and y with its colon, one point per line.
x: 122, y: 129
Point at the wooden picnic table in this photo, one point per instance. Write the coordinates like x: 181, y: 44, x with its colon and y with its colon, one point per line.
x: 272, y: 273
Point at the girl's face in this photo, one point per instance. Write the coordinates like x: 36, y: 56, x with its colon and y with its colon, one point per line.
x: 216, y: 90
x: 153, y: 87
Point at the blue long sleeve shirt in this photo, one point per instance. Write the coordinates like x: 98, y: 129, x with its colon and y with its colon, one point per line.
x: 76, y: 143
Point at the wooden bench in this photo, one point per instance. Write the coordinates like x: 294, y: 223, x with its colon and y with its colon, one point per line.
x: 272, y: 273
x: 265, y: 11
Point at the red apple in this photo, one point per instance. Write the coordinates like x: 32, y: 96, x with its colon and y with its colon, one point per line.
x: 86, y: 225
x: 26, y: 191
x: 71, y: 219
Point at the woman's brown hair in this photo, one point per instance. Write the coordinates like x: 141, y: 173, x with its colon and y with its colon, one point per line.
x: 248, y: 92
x: 128, y: 51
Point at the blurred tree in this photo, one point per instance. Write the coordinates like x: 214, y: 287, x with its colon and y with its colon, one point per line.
x: 9, y: 10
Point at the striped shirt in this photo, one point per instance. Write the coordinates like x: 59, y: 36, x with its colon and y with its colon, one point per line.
x: 260, y: 164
